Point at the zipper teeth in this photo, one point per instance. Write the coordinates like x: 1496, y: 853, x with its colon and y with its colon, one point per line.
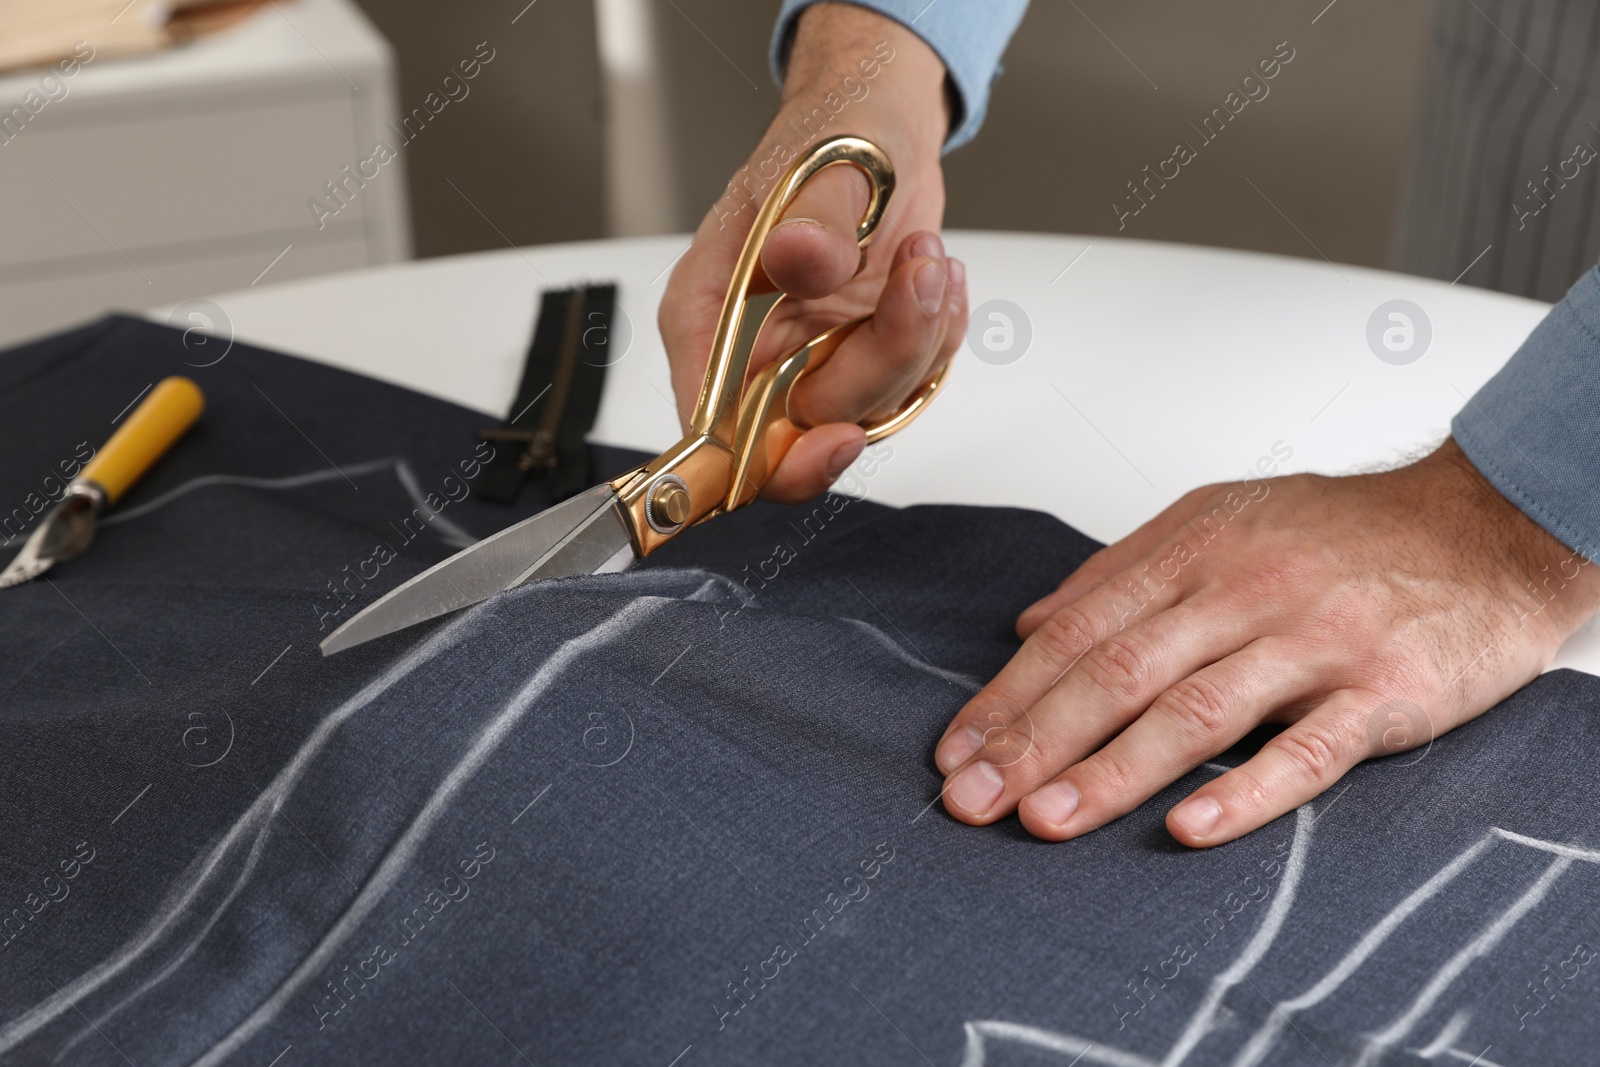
x: 541, y: 450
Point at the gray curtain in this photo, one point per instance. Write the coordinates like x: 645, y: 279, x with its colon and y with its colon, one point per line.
x: 1503, y: 177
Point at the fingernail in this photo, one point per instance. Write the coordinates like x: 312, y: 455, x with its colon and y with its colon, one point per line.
x: 1198, y: 815
x: 929, y: 245
x: 958, y: 273
x: 1055, y: 803
x: 975, y: 789
x: 842, y: 457
x: 799, y: 220
x: 954, y: 750
x: 929, y: 284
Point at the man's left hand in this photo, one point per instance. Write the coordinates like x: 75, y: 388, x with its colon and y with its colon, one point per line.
x: 1367, y: 614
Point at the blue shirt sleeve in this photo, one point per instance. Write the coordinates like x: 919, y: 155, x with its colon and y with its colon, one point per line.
x: 968, y: 35
x: 1534, y: 428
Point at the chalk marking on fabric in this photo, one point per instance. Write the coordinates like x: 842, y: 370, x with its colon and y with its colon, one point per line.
x: 1263, y: 1040
x: 1453, y: 1028
x: 1487, y: 939
x: 256, y: 852
x: 955, y: 678
x: 403, y: 851
x: 1205, y: 1018
x: 1049, y: 1040
x: 257, y: 816
x: 1570, y: 851
x: 449, y: 532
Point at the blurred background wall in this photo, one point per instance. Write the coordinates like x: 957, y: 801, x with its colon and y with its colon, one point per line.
x: 525, y: 145
x: 1093, y: 91
x: 301, y: 137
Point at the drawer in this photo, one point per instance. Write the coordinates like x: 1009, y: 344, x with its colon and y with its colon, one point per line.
x: 137, y: 178
x: 31, y: 304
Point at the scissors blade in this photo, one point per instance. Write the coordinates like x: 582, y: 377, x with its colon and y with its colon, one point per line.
x: 587, y: 534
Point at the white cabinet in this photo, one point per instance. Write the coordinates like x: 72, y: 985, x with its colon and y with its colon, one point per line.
x: 139, y: 181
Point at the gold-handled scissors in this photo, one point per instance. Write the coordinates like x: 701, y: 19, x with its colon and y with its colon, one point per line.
x: 740, y: 433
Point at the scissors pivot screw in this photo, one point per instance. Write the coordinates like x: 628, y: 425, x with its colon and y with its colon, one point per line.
x: 667, y: 506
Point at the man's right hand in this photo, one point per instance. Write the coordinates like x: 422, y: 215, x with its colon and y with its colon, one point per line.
x: 850, y: 72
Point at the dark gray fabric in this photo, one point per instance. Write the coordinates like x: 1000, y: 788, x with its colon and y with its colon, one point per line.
x: 680, y: 815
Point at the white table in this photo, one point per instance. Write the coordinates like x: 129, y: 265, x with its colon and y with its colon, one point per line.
x: 1152, y: 368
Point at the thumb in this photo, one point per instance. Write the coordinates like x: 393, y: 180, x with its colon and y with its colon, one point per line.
x: 813, y: 251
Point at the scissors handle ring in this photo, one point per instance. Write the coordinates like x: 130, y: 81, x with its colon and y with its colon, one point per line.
x: 742, y: 429
x: 751, y: 295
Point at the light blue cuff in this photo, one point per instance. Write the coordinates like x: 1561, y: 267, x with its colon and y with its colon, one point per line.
x: 968, y: 35
x: 1534, y: 428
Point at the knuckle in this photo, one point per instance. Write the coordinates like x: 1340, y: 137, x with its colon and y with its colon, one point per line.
x: 1314, y: 750
x: 991, y: 708
x: 1196, y: 498
x: 1024, y: 754
x: 1200, y: 707
x: 1343, y: 611
x: 1013, y: 745
x: 1294, y: 570
x: 1120, y: 665
x: 1114, y: 777
x: 1065, y: 636
x: 1248, y: 791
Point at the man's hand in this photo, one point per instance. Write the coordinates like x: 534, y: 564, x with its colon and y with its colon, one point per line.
x: 1368, y: 614
x: 856, y: 72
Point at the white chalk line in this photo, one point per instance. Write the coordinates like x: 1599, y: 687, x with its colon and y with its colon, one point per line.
x: 1569, y: 851
x: 955, y: 678
x: 207, y: 481
x: 1010, y: 1031
x: 1204, y: 1018
x: 1049, y: 1040
x: 1446, y: 1038
x: 282, y: 785
x: 259, y: 812
x: 403, y: 851
x: 188, y: 950
x: 1265, y: 1037
x: 1488, y: 937
x: 448, y: 531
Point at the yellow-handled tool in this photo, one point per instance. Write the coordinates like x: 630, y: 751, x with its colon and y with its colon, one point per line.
x: 159, y: 420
